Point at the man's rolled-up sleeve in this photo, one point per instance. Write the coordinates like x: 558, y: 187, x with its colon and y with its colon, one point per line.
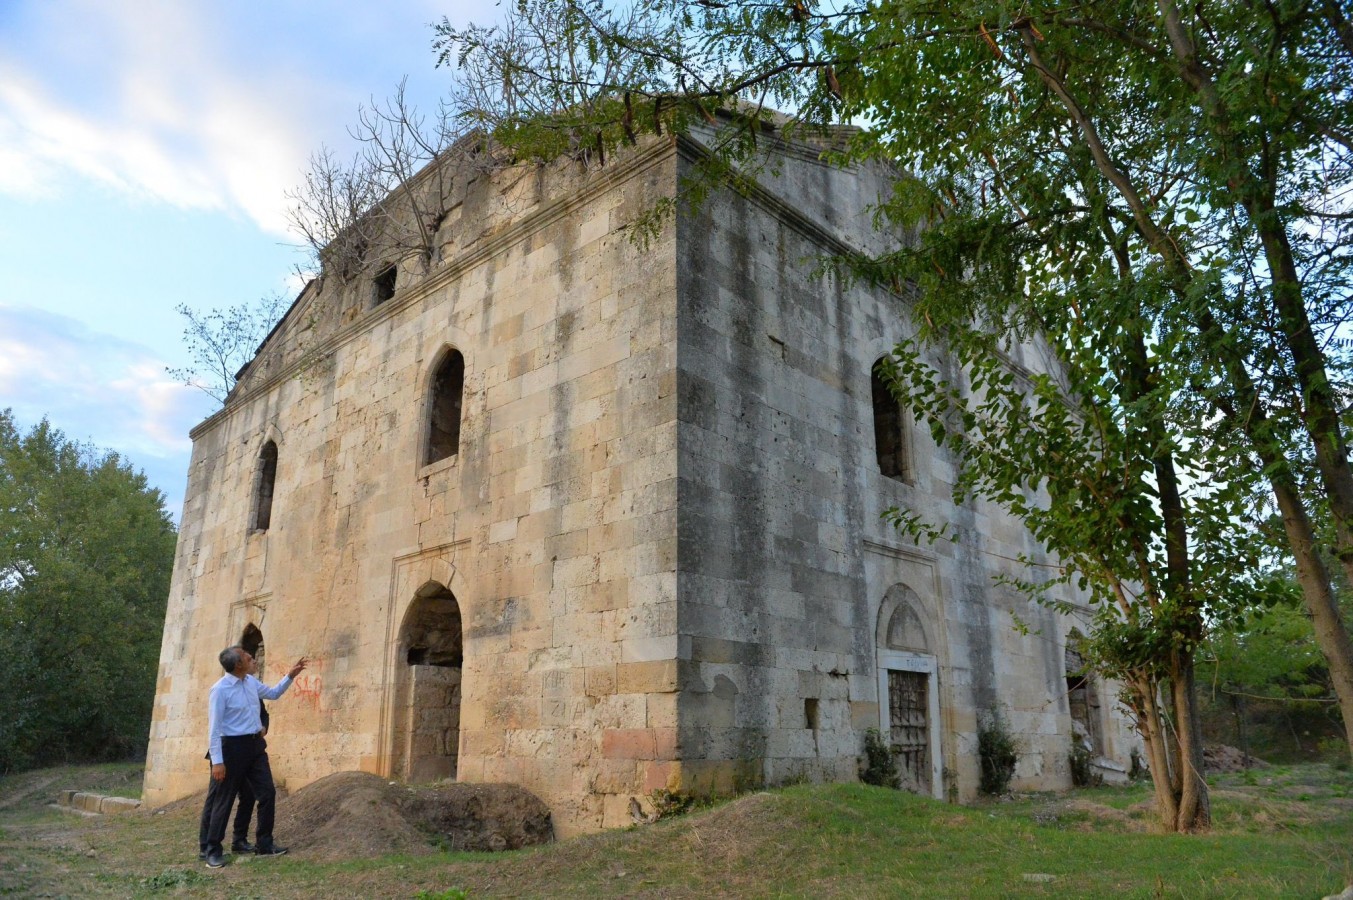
x: 277, y: 690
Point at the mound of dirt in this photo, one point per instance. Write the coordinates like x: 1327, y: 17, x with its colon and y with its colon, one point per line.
x: 356, y: 814
x: 1221, y: 758
x: 482, y: 816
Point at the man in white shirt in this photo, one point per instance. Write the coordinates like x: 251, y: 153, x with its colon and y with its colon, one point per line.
x: 237, y: 749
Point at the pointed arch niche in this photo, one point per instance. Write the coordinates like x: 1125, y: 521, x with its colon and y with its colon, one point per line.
x: 909, y: 691
x: 430, y: 655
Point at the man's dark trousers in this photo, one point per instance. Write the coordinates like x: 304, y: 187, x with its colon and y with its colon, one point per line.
x: 246, y: 762
x: 244, y: 812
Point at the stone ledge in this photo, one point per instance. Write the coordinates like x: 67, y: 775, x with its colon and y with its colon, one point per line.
x: 96, y: 804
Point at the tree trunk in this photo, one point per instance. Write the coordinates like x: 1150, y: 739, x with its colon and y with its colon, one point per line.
x: 1238, y: 702
x: 1195, y: 809
x: 1330, y: 633
x: 1173, y: 754
x: 1151, y: 725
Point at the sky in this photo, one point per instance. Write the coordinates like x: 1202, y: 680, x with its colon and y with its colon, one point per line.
x: 146, y: 149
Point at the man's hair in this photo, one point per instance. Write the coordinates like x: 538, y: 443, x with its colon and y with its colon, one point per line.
x: 230, y: 658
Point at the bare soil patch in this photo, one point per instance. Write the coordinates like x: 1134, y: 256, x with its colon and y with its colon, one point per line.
x: 358, y: 815
x: 1218, y: 758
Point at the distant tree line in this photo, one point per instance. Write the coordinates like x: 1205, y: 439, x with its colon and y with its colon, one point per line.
x: 86, y: 552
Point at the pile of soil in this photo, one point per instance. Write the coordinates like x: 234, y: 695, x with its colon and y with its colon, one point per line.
x: 356, y: 814
x: 1220, y: 758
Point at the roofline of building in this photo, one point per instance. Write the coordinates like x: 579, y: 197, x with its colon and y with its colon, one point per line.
x: 628, y: 167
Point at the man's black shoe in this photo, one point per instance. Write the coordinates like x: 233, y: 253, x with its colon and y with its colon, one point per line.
x: 202, y: 854
x: 271, y: 850
x: 242, y: 847
x: 215, y: 859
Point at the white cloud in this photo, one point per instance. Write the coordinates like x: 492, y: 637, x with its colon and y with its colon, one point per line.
x: 117, y: 392
x: 161, y: 113
x: 196, y: 103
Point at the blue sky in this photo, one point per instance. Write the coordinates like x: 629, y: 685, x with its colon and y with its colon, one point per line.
x: 146, y: 147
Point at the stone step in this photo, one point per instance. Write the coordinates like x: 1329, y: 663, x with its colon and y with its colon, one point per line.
x: 96, y: 804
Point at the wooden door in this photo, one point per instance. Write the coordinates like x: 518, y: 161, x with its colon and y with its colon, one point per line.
x: 908, y: 718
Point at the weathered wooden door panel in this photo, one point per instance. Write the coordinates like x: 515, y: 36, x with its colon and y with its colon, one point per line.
x: 909, y: 727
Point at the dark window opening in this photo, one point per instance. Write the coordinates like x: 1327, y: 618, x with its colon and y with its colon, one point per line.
x: 449, y: 658
x: 890, y: 439
x: 267, y: 477
x: 810, y: 712
x: 251, y: 640
x: 1081, y: 698
x: 444, y: 408
x: 383, y: 288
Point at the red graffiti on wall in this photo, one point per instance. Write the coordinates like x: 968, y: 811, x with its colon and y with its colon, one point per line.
x: 307, y: 688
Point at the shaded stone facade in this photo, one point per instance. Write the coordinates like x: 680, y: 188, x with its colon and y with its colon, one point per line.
x: 595, y: 518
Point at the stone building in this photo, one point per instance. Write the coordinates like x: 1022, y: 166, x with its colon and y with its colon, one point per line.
x: 560, y: 508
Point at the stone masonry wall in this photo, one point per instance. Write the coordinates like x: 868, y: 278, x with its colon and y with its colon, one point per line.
x: 554, y: 526
x: 786, y: 566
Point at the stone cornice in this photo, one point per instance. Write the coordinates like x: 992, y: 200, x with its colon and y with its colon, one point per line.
x: 897, y: 551
x: 625, y: 168
x: 751, y: 188
x: 808, y: 227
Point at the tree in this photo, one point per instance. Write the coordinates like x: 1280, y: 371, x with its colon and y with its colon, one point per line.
x: 1269, y: 671
x: 1161, y: 192
x: 385, y: 206
x: 1270, y: 655
x: 86, y: 551
x: 223, y: 341
x: 1213, y: 148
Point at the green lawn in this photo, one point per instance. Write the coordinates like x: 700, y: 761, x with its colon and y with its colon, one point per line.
x: 1282, y: 832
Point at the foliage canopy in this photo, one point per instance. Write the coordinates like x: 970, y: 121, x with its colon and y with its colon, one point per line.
x: 86, y: 550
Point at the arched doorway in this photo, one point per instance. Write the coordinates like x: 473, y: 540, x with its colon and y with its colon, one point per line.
x: 427, y: 705
x: 909, y: 701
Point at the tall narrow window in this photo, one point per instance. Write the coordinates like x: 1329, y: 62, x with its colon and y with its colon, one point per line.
x: 890, y: 437
x: 448, y: 385
x: 1081, y: 698
x: 267, y: 477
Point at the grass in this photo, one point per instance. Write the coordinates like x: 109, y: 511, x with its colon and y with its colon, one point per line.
x: 1285, y: 835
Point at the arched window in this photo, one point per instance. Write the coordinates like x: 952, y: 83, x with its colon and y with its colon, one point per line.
x: 890, y: 433
x: 448, y: 386
x: 267, y: 477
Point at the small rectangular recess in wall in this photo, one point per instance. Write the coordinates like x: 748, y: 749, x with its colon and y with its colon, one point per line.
x: 810, y: 713
x: 383, y: 287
